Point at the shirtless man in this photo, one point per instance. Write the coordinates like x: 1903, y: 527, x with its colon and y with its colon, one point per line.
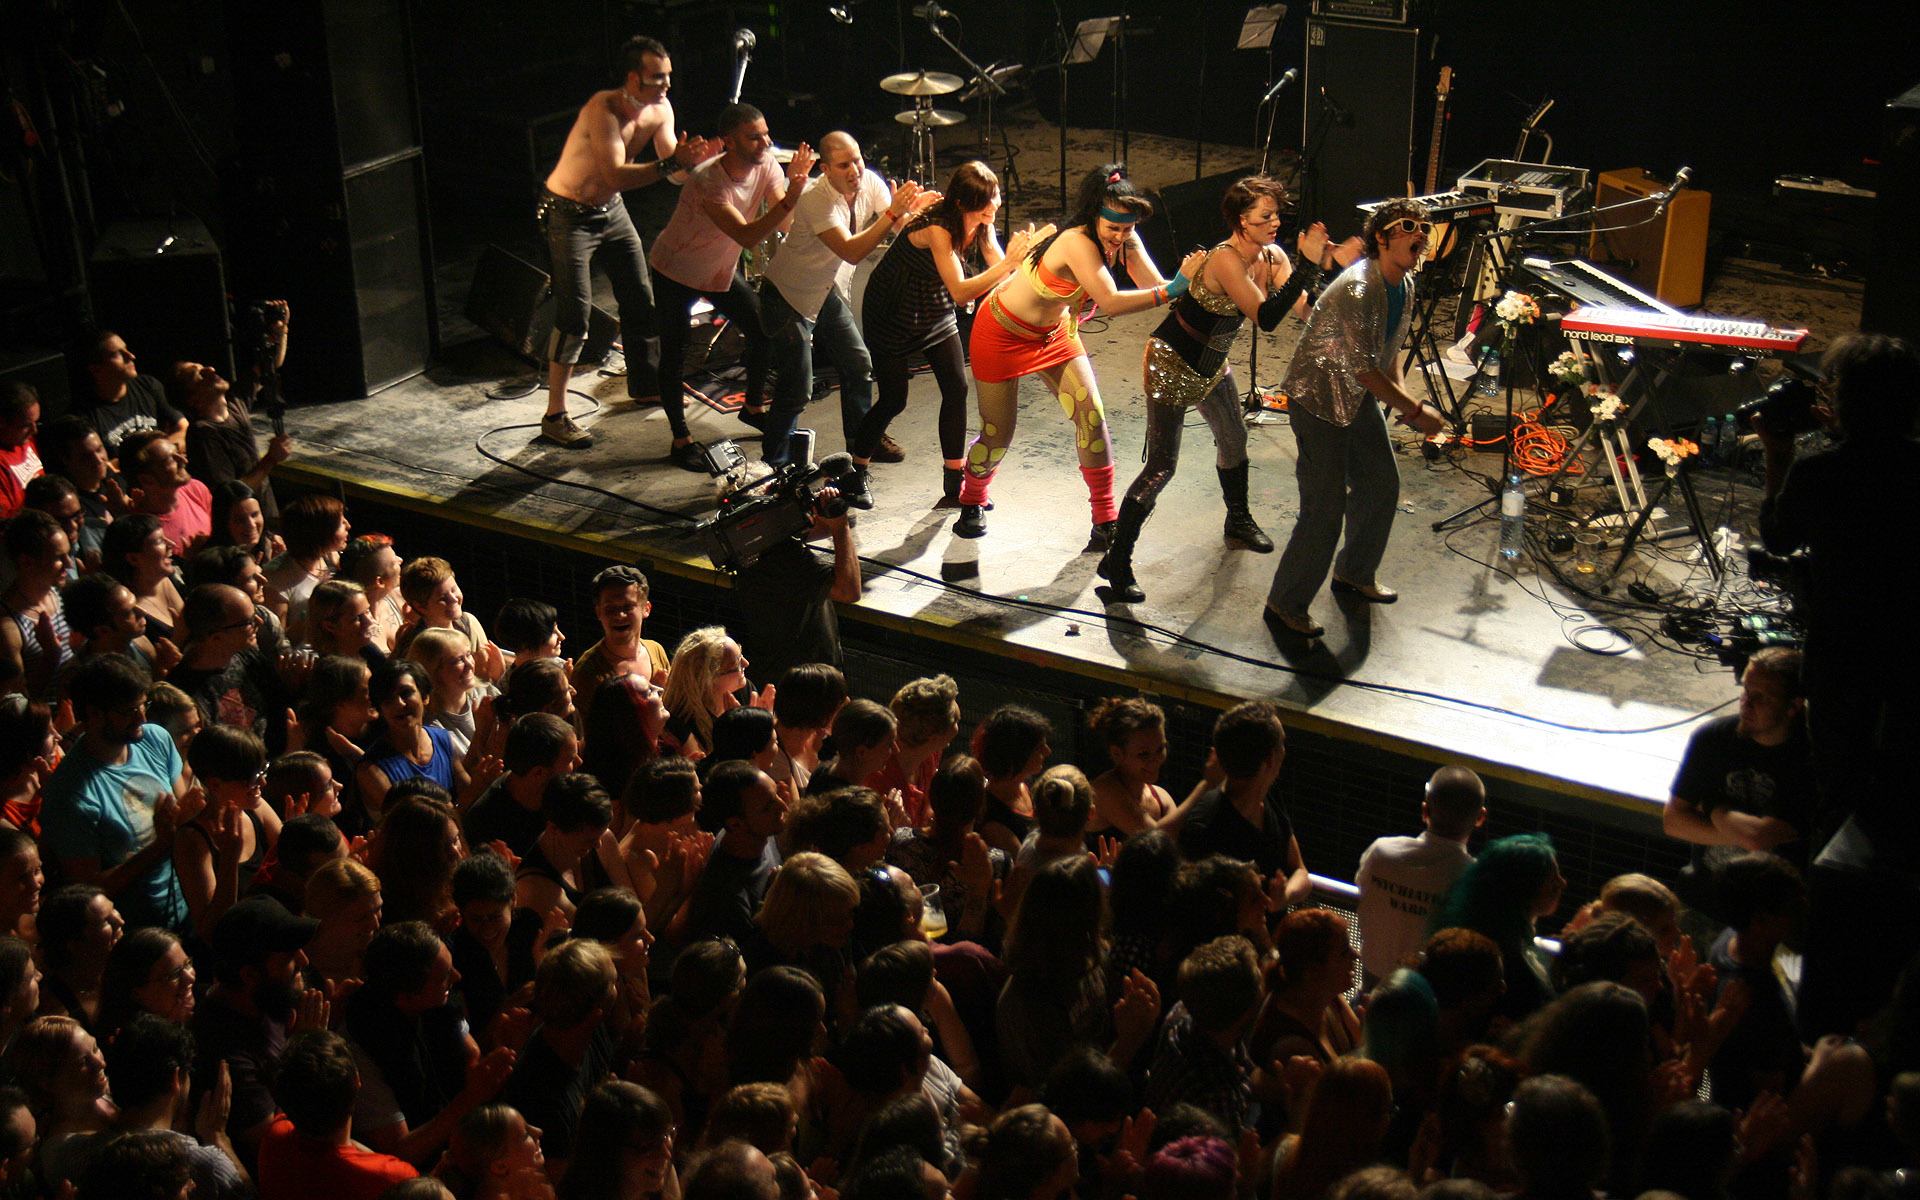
x: 586, y: 222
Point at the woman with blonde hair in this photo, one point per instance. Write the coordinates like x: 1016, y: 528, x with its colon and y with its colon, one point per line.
x: 709, y: 672
x: 806, y: 919
x: 455, y: 703
x: 344, y: 896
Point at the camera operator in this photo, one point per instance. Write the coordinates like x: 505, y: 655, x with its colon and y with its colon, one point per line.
x: 1850, y: 509
x: 221, y: 443
x: 787, y: 595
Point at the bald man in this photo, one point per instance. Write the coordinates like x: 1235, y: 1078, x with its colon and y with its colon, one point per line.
x: 808, y: 294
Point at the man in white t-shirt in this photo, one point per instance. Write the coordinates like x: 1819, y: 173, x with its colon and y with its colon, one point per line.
x: 807, y: 297
x: 730, y: 202
x: 1402, y: 879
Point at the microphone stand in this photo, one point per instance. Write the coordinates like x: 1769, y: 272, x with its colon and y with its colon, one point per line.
x: 743, y: 53
x: 990, y: 87
x: 1505, y: 257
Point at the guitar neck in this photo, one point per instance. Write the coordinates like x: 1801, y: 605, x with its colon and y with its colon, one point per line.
x: 1439, y: 128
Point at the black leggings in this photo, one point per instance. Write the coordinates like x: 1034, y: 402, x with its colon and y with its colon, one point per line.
x: 890, y: 375
x: 740, y: 304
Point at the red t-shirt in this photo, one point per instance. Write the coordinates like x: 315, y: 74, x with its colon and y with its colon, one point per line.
x: 18, y: 466
x: 191, y: 519
x: 294, y: 1167
x: 913, y: 792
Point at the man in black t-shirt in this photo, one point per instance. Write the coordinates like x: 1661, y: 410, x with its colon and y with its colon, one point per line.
x: 751, y: 812
x: 1746, y: 782
x: 571, y: 1050
x: 125, y: 400
x: 540, y: 748
x: 1240, y: 818
x: 787, y: 598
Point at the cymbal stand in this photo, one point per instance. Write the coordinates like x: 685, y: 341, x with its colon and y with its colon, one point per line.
x: 989, y: 88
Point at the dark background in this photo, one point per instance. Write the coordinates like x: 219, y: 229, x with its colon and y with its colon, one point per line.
x: 142, y: 97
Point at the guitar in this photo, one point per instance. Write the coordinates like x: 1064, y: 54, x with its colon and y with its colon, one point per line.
x: 1445, y: 236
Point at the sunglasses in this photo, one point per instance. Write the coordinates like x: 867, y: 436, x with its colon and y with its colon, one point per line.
x: 1407, y: 225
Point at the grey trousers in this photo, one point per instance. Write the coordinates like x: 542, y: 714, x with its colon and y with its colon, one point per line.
x: 577, y: 239
x: 1346, y: 474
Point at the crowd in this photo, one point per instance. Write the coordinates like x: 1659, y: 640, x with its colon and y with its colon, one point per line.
x: 314, y: 886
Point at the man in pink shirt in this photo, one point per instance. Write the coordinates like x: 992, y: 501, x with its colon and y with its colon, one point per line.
x: 729, y: 203
x: 156, y: 470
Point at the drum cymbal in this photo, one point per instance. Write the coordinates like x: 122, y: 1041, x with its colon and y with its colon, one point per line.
x: 930, y: 116
x: 921, y: 83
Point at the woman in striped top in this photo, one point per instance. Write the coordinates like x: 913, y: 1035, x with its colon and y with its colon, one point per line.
x: 909, y: 310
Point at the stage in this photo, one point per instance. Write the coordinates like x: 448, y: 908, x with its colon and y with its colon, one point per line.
x: 1476, y: 663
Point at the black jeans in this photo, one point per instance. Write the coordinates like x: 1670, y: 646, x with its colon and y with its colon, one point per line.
x: 578, y: 238
x: 740, y: 304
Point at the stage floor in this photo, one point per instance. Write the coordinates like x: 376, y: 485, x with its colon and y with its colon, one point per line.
x: 1474, y: 664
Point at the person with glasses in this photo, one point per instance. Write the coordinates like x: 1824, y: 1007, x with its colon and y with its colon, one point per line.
x: 624, y: 1146
x: 1248, y: 276
x: 111, y: 812
x: 148, y: 971
x: 1346, y: 372
x: 223, y: 847
x: 220, y: 665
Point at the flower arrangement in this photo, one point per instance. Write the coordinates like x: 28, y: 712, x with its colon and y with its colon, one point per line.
x: 1516, y: 308
x: 1606, y: 406
x: 1570, y: 369
x: 1673, y: 451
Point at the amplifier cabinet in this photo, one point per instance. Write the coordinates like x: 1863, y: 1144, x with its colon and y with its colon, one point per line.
x: 1666, y: 256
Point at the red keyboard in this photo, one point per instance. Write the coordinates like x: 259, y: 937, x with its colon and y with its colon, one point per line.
x: 1656, y: 330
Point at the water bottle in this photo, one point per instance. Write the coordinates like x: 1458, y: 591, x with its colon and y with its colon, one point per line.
x: 1710, y: 440
x: 1728, y: 451
x: 1489, y: 373
x: 1513, y: 517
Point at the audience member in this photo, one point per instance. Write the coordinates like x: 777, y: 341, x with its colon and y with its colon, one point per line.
x: 807, y: 700
x: 626, y: 730
x: 1240, y: 818
x: 572, y: 1048
x: 927, y: 717
x: 238, y: 521
x: 621, y: 606
x: 434, y: 601
x: 1127, y: 796
x: 35, y: 643
x: 309, y: 1149
x: 1402, y: 878
x: 750, y: 812
x: 154, y: 469
x: 1514, y: 883
x: 370, y: 561
x: 1013, y: 745
x: 135, y: 551
x: 125, y: 401
x: 316, y: 528
x: 19, y: 457
x: 1202, y: 1056
x: 456, y: 696
x: 624, y: 1146
x: 150, y: 1066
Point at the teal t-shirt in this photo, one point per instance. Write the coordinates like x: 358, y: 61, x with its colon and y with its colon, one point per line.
x: 104, y: 811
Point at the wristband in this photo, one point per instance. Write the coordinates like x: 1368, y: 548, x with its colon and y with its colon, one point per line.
x: 1178, y: 287
x: 1159, y: 296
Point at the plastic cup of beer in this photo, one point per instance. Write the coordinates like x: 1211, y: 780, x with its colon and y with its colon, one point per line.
x: 1586, y: 553
x: 933, y: 915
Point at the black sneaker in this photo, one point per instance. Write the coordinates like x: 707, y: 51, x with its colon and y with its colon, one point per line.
x: 560, y: 429
x: 972, y: 522
x: 690, y: 457
x: 856, y: 488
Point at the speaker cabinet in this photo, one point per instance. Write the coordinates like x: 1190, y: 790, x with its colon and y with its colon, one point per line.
x: 1892, y: 303
x: 42, y: 369
x: 1186, y: 216
x: 513, y: 300
x: 1358, y: 132
x: 162, y: 286
x: 332, y: 188
x: 1667, y: 256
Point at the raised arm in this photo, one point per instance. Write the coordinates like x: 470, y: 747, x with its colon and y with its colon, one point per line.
x: 751, y: 233
x: 1091, y: 271
x: 965, y: 288
x: 609, y: 151
x: 854, y: 247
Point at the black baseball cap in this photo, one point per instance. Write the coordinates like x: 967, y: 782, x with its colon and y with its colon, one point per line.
x: 258, y: 926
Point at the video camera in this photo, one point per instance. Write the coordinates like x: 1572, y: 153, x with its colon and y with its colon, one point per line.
x: 1785, y: 408
x: 757, y: 516
x: 254, y: 352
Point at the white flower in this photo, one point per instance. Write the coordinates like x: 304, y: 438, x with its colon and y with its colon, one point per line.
x: 1569, y: 368
x: 1673, y: 451
x: 1516, y: 308
x: 1606, y: 406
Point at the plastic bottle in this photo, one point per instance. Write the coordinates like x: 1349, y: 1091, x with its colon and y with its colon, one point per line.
x: 1710, y: 440
x: 1489, y: 372
x: 1513, y: 517
x: 1728, y: 451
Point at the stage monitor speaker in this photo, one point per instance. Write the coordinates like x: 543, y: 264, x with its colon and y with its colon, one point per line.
x: 1186, y: 216
x: 332, y: 188
x: 161, y: 286
x: 513, y: 300
x: 1667, y: 255
x: 1358, y: 132
x: 1892, y: 303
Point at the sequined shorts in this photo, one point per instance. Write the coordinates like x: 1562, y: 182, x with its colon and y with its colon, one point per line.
x: 1170, y: 380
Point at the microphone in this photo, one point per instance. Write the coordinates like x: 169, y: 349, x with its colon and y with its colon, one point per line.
x: 743, y: 41
x: 1280, y: 85
x: 930, y: 12
x: 833, y: 466
x: 1666, y: 197
x: 840, y: 13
